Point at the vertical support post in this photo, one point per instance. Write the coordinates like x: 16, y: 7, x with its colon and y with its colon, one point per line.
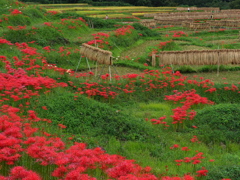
x: 109, y: 70
x: 153, y: 59
x: 88, y: 64
x: 78, y: 63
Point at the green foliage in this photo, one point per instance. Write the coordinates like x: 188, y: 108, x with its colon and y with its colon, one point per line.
x: 146, y: 32
x: 231, y: 46
x: 133, y: 64
x: 102, y: 23
x: 235, y: 4
x: 221, y: 172
x: 65, y: 15
x: 34, y: 13
x: 44, y: 36
x: 219, y: 123
x: 18, y: 20
x: 205, y: 68
x: 215, y: 34
x: 125, y: 40
x: 169, y: 46
x: 92, y: 22
x: 88, y: 117
x: 212, y: 68
x: 185, y: 69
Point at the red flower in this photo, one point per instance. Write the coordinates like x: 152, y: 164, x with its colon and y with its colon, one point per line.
x: 202, y: 172
x: 16, y: 11
x: 174, y: 146
x: 185, y: 149
x: 62, y: 126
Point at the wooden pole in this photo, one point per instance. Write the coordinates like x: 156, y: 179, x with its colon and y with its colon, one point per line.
x: 154, y: 60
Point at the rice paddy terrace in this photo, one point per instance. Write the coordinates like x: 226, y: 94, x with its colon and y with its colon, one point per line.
x: 111, y: 11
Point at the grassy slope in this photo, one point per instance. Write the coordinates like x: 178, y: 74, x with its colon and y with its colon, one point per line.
x: 154, y: 151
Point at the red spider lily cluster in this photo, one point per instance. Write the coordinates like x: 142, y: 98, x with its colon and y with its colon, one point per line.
x: 100, y: 40
x: 124, y: 30
x: 179, y: 34
x: 15, y: 12
x: 52, y: 12
x: 190, y: 98
x: 21, y: 135
x: 161, y: 45
x: 17, y: 28
x: 67, y: 23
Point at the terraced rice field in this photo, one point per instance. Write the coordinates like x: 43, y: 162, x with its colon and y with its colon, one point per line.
x: 112, y: 11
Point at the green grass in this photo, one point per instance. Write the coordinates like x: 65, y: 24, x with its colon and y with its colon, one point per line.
x: 120, y: 127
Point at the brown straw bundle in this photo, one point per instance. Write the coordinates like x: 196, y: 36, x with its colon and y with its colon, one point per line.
x: 100, y: 59
x: 91, y: 52
x: 95, y: 54
x: 107, y: 57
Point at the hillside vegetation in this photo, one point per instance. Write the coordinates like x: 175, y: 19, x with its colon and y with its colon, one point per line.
x: 65, y: 116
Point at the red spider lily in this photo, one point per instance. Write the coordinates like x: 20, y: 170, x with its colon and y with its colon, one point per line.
x: 193, y: 160
x: 124, y: 30
x: 29, y: 50
x: 47, y: 48
x: 162, y: 44
x: 159, y: 121
x: 48, y: 24
x: 179, y: 34
x: 61, y: 126
x: 202, y: 172
x: 185, y: 149
x: 100, y: 40
x: 180, y: 113
x: 15, y: 12
x: 195, y: 139
x: 17, y: 28
x: 4, y: 41
x: 19, y: 172
x: 174, y: 146
x: 52, y: 12
x: 211, y: 90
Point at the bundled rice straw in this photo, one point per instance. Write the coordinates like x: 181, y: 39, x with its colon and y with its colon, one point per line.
x: 198, y: 57
x: 170, y: 57
x: 223, y: 56
x: 203, y: 57
x: 214, y: 57
x: 95, y: 54
x: 107, y: 57
x: 190, y: 57
x: 164, y: 58
x: 100, y: 59
x: 90, y: 52
x: 236, y: 55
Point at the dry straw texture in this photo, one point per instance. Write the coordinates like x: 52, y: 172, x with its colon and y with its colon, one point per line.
x: 203, y: 57
x: 96, y: 54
